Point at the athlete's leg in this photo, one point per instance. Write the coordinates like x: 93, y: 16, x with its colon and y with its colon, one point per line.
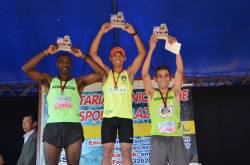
x: 109, y: 133
x: 52, y: 154
x: 126, y: 153
x: 73, y: 152
x: 107, y: 153
x: 126, y: 134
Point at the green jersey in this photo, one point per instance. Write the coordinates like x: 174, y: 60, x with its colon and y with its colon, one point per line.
x: 165, y: 120
x: 63, y: 104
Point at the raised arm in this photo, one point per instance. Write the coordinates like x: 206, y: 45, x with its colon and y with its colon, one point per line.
x: 179, y: 70
x: 145, y: 69
x: 132, y: 69
x: 95, y: 45
x: 29, y: 67
x: 82, y: 81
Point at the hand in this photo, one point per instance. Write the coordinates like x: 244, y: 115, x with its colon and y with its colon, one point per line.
x: 106, y: 27
x: 171, y: 39
x: 52, y: 49
x: 77, y: 52
x: 129, y: 28
x: 152, y: 42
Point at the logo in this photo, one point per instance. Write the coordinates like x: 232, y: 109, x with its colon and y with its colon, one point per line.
x: 124, y: 78
x: 117, y: 90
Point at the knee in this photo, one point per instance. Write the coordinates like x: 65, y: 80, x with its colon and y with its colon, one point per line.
x: 107, y: 153
x: 48, y: 162
x: 126, y: 153
x: 73, y: 162
x: 73, y: 159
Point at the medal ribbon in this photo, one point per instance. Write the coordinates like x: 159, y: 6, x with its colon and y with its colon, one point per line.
x: 116, y: 80
x: 63, y: 86
x: 164, y: 100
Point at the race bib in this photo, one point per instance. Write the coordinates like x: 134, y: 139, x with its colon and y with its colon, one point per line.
x: 63, y: 102
x: 167, y: 127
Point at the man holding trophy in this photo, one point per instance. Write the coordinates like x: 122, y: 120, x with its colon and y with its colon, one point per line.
x: 63, y: 128
x: 167, y: 146
x: 117, y: 90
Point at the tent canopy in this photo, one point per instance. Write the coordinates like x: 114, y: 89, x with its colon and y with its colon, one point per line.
x: 214, y: 34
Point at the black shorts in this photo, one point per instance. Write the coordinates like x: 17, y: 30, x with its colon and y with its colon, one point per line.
x: 62, y: 134
x: 110, y: 127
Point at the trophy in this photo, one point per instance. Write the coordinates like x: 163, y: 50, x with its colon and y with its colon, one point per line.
x: 117, y: 20
x: 64, y: 43
x: 161, y: 32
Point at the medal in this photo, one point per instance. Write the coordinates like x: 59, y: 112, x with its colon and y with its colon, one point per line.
x: 116, y: 80
x: 63, y: 86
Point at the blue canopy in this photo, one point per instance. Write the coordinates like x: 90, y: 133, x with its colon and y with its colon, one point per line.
x: 214, y: 34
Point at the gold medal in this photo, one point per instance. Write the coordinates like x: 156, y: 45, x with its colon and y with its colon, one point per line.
x: 116, y: 80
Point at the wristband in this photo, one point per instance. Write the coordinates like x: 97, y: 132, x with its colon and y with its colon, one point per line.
x: 85, y: 57
x: 134, y: 33
x: 46, y: 53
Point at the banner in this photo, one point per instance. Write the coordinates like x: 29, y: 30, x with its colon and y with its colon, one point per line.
x: 91, y: 110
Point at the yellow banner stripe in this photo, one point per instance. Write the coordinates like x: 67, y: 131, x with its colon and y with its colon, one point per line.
x: 188, y: 127
x: 92, y: 131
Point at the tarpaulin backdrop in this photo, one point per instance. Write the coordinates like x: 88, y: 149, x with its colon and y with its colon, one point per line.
x: 91, y: 109
x: 214, y: 34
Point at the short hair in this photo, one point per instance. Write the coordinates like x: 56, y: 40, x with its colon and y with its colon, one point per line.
x: 163, y: 67
x: 31, y: 118
x: 60, y: 55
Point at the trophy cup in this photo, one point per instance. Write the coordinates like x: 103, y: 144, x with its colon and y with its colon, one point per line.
x: 64, y: 43
x: 161, y: 32
x: 117, y: 20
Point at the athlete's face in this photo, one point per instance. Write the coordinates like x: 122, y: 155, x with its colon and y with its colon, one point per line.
x: 117, y: 59
x: 162, y: 78
x: 64, y: 65
x: 28, y: 124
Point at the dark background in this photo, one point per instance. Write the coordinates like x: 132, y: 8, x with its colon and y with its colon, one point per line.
x: 12, y: 111
x: 222, y: 125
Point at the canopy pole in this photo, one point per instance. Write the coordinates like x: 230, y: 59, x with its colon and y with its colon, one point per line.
x: 116, y: 30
